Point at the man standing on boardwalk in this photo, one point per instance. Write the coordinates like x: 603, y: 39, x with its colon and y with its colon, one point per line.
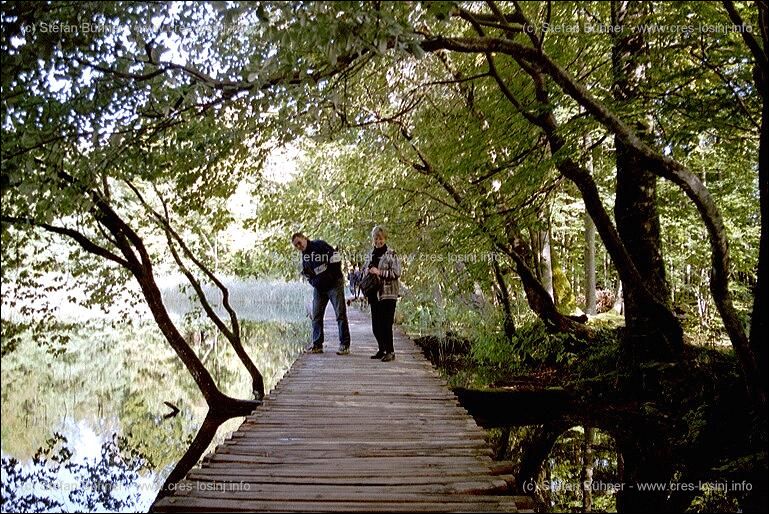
x: 322, y: 266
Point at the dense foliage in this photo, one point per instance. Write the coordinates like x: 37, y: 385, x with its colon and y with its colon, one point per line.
x: 490, y: 139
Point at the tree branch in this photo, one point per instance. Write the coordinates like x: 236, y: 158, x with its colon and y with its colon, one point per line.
x: 78, y: 237
x: 755, y: 47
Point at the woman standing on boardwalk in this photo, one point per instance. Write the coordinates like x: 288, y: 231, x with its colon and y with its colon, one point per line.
x: 384, y: 262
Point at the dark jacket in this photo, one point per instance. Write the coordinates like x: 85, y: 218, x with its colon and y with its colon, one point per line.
x: 322, y: 265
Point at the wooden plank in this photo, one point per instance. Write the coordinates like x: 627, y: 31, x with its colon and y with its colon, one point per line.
x: 340, y: 492
x: 189, y: 504
x: 358, y: 451
x: 427, y: 445
x: 452, y: 426
x: 393, y: 463
x: 297, y: 477
x: 323, y: 473
x: 287, y: 415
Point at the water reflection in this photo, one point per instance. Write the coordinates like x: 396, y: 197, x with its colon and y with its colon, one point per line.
x: 114, y: 379
x: 195, y: 451
x: 59, y: 480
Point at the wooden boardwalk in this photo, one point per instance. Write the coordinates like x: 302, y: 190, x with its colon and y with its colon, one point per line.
x: 348, y: 433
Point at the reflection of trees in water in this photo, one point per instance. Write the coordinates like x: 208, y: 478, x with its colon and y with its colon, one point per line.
x: 120, y: 377
x: 565, y: 468
x: 193, y: 454
x: 274, y: 346
x: 260, y: 339
x: 576, y: 468
x: 56, y: 481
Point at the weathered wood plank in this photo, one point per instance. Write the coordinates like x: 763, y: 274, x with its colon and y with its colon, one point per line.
x: 339, y: 492
x: 358, y: 450
x: 298, y: 474
x: 191, y: 504
x: 298, y: 477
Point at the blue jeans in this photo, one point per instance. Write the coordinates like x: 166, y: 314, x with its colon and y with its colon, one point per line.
x: 320, y: 300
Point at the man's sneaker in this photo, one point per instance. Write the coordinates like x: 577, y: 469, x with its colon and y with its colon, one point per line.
x: 313, y: 349
x: 378, y: 355
x: 343, y: 350
x: 388, y: 357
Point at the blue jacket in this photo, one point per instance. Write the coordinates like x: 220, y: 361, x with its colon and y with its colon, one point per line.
x: 322, y: 265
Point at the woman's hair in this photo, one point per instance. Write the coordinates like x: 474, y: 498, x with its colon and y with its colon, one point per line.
x: 377, y: 230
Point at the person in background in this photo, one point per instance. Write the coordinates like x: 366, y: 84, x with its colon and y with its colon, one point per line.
x: 384, y: 262
x: 322, y: 266
x: 353, y: 278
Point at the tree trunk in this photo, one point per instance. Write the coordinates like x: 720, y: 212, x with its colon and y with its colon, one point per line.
x: 646, y: 459
x: 503, y: 295
x: 202, y: 440
x: 542, y: 263
x: 753, y: 353
x: 635, y: 207
x: 503, y: 444
x: 536, y: 254
x: 515, y: 248
x: 586, y: 477
x: 537, y: 296
x: 590, y: 300
x: 563, y: 293
x: 619, y: 301
x: 217, y: 401
x: 138, y: 262
x: 534, y: 468
x: 545, y: 262
x: 759, y: 327
x: 536, y: 447
x: 759, y: 322
x: 232, y: 333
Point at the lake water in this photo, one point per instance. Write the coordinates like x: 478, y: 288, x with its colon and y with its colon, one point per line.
x: 88, y: 429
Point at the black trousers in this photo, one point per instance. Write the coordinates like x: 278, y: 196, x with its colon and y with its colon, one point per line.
x: 382, y: 318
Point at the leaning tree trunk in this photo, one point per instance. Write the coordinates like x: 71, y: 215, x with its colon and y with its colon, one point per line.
x: 217, y: 401
x: 646, y: 459
x: 232, y: 333
x: 537, y: 296
x: 590, y: 297
x: 503, y: 295
x: 139, y: 263
x: 540, y: 239
x: 534, y: 467
x: 199, y: 445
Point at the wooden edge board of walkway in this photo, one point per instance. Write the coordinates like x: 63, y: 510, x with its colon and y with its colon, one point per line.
x: 352, y: 434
